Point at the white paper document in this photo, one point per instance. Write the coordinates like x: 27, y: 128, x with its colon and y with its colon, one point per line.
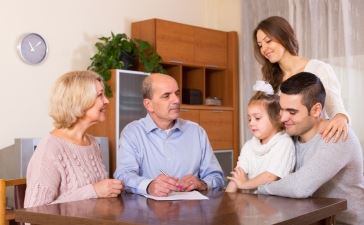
x: 192, y: 195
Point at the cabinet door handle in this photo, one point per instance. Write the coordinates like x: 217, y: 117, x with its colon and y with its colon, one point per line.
x: 183, y: 110
x: 175, y: 61
x: 211, y: 66
x: 218, y: 111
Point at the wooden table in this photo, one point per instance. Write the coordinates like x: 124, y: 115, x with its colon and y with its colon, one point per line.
x: 221, y: 208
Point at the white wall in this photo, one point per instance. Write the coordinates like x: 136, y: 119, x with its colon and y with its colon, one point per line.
x: 71, y: 27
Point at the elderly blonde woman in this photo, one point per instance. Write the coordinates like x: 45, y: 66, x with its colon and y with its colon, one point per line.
x: 67, y: 164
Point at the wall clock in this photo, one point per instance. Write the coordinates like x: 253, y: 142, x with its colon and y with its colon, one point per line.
x: 32, y: 48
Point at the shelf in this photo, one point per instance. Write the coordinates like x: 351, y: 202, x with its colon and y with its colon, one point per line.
x: 207, y: 107
x: 209, y: 81
x: 216, y: 85
x: 175, y: 71
x: 193, y: 80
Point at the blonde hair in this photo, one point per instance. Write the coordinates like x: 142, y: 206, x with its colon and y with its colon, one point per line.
x: 73, y: 93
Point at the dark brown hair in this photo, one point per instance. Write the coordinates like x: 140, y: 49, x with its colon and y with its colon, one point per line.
x: 279, y: 30
x: 271, y: 103
x: 308, y: 85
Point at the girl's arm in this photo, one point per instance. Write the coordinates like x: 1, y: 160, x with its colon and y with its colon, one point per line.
x: 263, y: 178
x: 236, y: 180
x: 232, y: 186
x: 239, y: 180
x: 281, y: 163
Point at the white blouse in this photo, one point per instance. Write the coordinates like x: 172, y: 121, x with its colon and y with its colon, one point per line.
x: 277, y: 156
x: 333, y: 102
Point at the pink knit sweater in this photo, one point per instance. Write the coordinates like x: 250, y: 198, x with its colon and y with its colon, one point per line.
x: 60, y: 171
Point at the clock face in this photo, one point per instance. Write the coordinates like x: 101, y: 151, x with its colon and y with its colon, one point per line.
x: 32, y: 48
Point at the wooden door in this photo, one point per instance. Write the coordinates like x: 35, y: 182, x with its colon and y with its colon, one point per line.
x: 174, y: 41
x: 190, y: 114
x: 219, y: 127
x: 210, y: 47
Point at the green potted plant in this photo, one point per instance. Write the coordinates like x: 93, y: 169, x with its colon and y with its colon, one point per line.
x: 118, y: 51
x: 148, y: 57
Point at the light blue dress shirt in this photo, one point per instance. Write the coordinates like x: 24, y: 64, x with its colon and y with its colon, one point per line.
x: 145, y: 150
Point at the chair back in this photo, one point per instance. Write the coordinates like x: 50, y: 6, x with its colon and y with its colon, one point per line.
x: 7, y: 215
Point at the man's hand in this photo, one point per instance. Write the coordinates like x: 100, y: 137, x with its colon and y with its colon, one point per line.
x: 108, y: 188
x: 162, y: 185
x: 189, y: 183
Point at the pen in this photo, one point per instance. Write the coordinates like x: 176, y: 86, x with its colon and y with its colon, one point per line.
x: 164, y: 173
x: 179, y: 187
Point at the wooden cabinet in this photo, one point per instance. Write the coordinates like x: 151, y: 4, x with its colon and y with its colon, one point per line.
x: 211, y: 82
x: 190, y: 114
x: 202, y: 60
x: 176, y: 42
x: 210, y: 47
x: 218, y: 124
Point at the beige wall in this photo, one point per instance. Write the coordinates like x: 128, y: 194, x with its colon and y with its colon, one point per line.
x: 71, y: 27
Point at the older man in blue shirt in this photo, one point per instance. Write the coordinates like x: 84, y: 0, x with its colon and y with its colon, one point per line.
x: 161, y: 153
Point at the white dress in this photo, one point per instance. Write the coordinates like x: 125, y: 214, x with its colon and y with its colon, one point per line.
x: 334, y: 102
x: 277, y: 156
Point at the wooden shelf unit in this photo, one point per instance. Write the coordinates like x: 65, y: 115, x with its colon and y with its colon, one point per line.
x: 206, y: 60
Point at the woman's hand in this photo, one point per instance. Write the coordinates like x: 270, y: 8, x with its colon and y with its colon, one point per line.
x: 337, y: 128
x: 108, y: 188
x: 238, y: 177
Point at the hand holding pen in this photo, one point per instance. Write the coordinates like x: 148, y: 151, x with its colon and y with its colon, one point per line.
x: 164, y: 173
x: 189, y: 183
x: 178, y: 186
x: 162, y: 185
